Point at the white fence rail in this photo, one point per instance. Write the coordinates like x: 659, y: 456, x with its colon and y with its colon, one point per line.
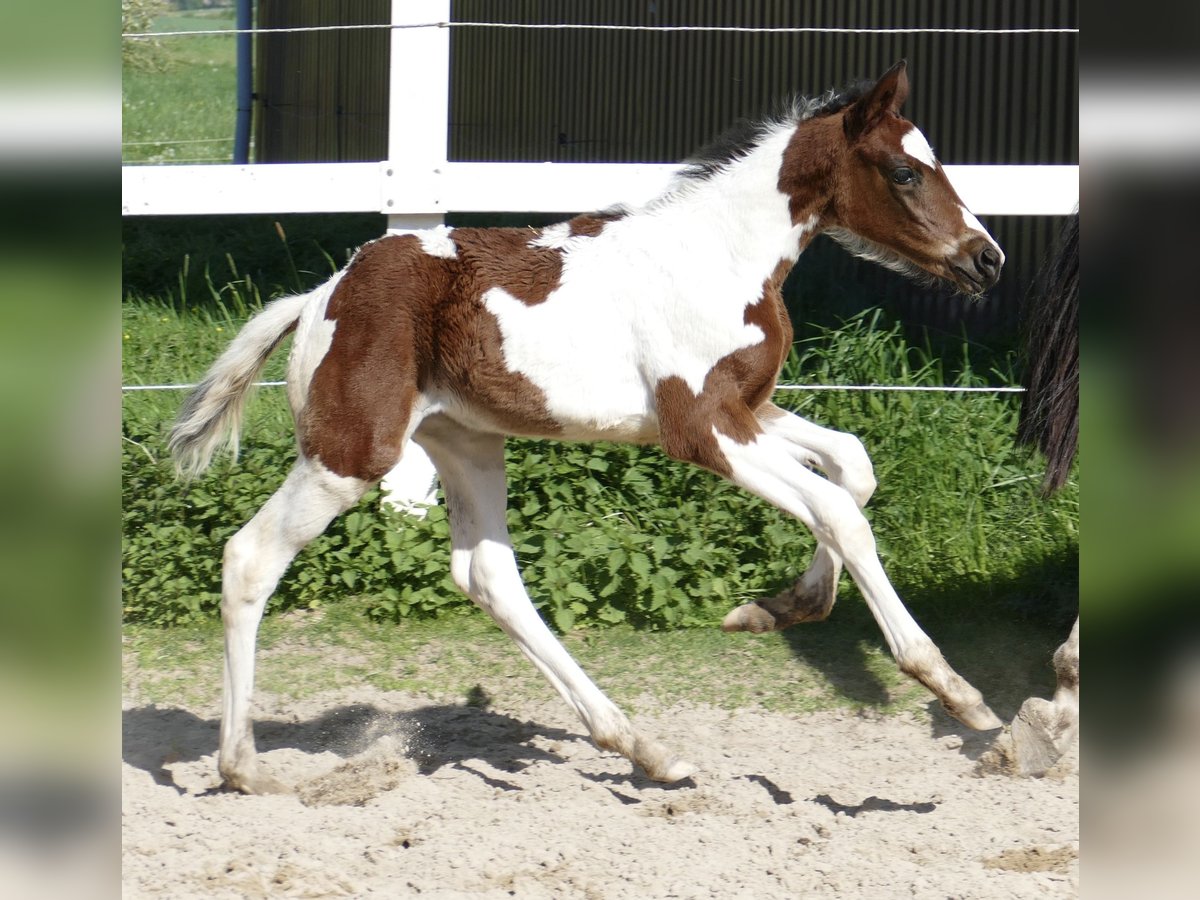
x: 405, y: 189
x: 416, y: 186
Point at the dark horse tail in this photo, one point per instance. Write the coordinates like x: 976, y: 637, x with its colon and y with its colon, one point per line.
x: 1049, y: 418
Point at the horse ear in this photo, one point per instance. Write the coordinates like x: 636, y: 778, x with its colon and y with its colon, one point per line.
x: 887, y: 96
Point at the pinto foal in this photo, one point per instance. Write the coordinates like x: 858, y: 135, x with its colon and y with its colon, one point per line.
x: 661, y: 324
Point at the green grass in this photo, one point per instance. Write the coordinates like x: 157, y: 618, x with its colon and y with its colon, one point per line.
x: 182, y: 108
x: 839, y: 664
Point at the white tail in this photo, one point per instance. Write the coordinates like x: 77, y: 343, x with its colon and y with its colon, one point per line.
x: 212, y: 413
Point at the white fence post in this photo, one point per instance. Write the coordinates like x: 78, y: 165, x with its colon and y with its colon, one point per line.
x: 418, y: 106
x: 418, y: 121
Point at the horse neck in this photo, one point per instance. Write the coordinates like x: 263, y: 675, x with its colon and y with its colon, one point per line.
x: 738, y: 217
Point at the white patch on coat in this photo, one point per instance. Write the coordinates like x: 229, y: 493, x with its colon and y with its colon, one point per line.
x: 660, y: 293
x: 437, y: 242
x: 915, y: 145
x: 974, y: 224
x: 310, y: 343
x: 553, y: 237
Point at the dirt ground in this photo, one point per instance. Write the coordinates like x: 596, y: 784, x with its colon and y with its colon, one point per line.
x: 399, y: 795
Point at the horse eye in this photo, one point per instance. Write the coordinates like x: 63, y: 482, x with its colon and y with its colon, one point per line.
x: 903, y: 175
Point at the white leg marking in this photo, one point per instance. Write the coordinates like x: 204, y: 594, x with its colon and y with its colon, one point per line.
x: 255, y: 558
x: 845, y: 462
x: 767, y: 467
x: 915, y: 144
x: 471, y: 467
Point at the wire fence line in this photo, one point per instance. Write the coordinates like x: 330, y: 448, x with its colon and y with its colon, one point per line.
x: 175, y: 141
x: 566, y: 26
x: 894, y: 388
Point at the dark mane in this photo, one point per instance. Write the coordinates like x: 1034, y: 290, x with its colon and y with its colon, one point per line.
x: 745, y: 134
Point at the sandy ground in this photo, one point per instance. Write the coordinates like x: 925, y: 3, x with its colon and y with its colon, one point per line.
x: 402, y: 796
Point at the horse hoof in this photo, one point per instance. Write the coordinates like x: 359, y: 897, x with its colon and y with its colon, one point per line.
x: 678, y: 770
x: 256, y: 784
x: 749, y: 617
x: 979, y: 717
x: 1039, y: 737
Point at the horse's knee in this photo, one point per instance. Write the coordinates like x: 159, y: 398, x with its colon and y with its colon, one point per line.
x: 857, y: 472
x: 481, y: 571
x: 239, y: 570
x: 842, y: 525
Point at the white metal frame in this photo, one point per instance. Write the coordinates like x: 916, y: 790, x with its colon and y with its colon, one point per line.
x: 416, y: 186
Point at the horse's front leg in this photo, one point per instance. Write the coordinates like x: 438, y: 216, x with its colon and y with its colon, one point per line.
x: 765, y: 465
x: 845, y: 462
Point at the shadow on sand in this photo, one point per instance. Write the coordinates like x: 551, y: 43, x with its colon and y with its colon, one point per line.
x: 434, y: 736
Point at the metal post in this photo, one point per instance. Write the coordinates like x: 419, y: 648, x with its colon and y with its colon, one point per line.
x: 245, y: 83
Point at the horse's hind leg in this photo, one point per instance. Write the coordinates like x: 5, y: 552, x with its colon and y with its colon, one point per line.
x: 844, y: 461
x: 255, y: 559
x: 471, y: 467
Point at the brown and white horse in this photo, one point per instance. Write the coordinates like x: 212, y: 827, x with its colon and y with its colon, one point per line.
x: 661, y: 324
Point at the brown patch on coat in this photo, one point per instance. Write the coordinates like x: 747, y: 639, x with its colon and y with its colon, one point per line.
x: 591, y: 224
x: 806, y: 171
x: 407, y: 324
x: 470, y: 359
x: 356, y: 415
x: 502, y: 257
x: 734, y: 389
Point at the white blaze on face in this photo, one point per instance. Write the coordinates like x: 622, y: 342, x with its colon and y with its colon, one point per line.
x: 914, y: 144
x: 974, y: 224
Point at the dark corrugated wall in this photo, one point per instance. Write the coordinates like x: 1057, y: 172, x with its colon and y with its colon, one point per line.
x: 573, y: 96
x: 608, y: 96
x: 321, y: 97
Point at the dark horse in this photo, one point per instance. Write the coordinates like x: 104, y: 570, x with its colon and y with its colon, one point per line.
x: 1043, y: 730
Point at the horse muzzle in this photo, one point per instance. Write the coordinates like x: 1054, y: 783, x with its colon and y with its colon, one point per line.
x: 976, y: 267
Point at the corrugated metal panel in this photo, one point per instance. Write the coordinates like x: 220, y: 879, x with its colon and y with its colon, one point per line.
x: 322, y: 97
x: 641, y: 97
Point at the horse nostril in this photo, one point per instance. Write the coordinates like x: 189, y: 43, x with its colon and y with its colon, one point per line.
x: 988, y: 262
